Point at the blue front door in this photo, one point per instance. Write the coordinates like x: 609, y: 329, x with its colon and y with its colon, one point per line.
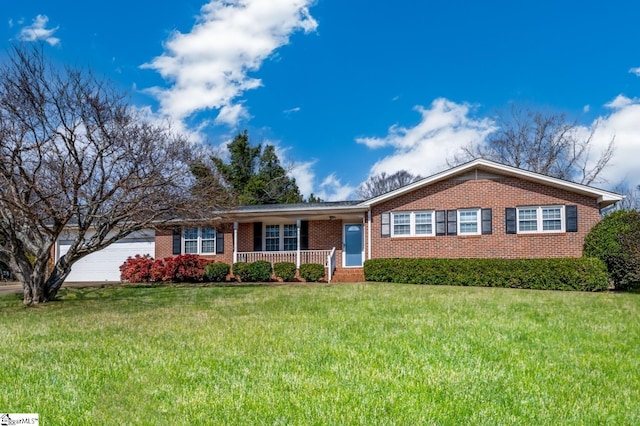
x: 353, y: 245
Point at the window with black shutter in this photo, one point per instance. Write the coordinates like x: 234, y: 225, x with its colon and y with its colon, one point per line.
x: 441, y: 222
x: 304, y: 235
x: 571, y: 218
x: 257, y: 236
x: 452, y: 222
x: 385, y: 224
x: 510, y: 220
x: 177, y: 241
x: 487, y: 221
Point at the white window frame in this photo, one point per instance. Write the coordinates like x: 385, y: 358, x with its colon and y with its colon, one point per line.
x: 412, y: 223
x: 540, y: 220
x: 281, y: 236
x: 199, y: 240
x: 478, y: 222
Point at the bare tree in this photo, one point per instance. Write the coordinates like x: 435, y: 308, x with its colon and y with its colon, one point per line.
x: 631, y: 200
x: 74, y: 157
x: 382, y: 183
x: 543, y: 143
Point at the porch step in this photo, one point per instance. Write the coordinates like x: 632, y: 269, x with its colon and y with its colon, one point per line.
x: 348, y: 275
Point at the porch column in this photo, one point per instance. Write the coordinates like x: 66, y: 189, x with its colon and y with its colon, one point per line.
x: 369, y: 234
x: 235, y: 242
x: 298, y: 243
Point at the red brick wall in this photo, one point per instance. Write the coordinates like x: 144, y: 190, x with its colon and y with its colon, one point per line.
x: 164, y: 244
x: 325, y: 235
x: 484, y: 193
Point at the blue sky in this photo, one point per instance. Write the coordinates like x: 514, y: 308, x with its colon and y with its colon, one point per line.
x: 347, y: 89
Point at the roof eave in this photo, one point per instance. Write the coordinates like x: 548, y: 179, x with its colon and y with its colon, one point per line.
x: 605, y: 198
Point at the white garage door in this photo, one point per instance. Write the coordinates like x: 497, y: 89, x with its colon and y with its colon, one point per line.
x: 104, y: 265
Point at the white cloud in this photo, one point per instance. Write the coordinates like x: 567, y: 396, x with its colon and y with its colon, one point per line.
x: 37, y: 31
x: 332, y: 189
x: 304, y: 176
x: 231, y: 114
x: 586, y: 108
x: 621, y: 101
x: 291, y: 110
x: 209, y: 67
x: 623, y: 124
x: 445, y: 127
x: 635, y: 71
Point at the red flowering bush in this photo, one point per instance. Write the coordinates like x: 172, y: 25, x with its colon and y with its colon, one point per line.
x: 157, y: 272
x: 184, y: 268
x: 136, y: 269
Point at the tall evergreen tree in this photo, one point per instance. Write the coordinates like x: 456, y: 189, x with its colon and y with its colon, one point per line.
x: 253, y: 174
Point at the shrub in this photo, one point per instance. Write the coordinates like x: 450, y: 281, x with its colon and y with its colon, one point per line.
x: 241, y: 271
x: 585, y: 274
x: 616, y: 241
x: 260, y: 271
x: 184, y: 268
x: 216, y: 272
x: 158, y: 271
x: 312, y: 272
x: 285, y: 270
x: 136, y: 269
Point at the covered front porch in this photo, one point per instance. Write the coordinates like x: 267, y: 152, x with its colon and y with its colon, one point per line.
x: 334, y: 238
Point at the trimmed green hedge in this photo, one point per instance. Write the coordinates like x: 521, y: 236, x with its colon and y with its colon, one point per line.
x: 260, y: 271
x: 584, y: 274
x: 241, y: 271
x: 312, y: 272
x: 285, y: 270
x: 216, y: 272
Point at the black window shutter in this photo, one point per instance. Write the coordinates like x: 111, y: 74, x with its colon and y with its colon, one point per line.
x: 385, y: 224
x: 177, y: 241
x: 487, y: 221
x: 452, y: 222
x: 257, y: 236
x: 219, y: 242
x: 510, y: 220
x: 441, y: 222
x: 571, y: 218
x: 304, y: 235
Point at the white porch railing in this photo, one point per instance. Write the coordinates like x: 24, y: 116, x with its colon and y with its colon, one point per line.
x: 331, y: 264
x: 306, y: 256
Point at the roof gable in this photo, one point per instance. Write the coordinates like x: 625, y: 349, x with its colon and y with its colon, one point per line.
x: 486, y: 169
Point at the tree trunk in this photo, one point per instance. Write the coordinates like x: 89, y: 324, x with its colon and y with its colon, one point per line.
x: 38, y: 290
x: 33, y: 292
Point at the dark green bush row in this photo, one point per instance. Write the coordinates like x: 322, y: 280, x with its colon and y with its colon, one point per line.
x: 258, y: 271
x: 312, y: 272
x: 584, y: 274
x: 285, y: 270
x: 216, y: 272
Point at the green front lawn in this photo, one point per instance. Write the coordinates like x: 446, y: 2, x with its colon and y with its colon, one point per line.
x: 345, y: 354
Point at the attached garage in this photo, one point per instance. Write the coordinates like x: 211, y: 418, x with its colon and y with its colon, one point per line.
x: 104, y: 265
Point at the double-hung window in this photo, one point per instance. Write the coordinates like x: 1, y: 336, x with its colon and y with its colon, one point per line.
x: 199, y: 240
x: 272, y: 237
x: 468, y: 222
x: 540, y: 219
x: 412, y: 224
x: 281, y: 237
x: 290, y: 237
